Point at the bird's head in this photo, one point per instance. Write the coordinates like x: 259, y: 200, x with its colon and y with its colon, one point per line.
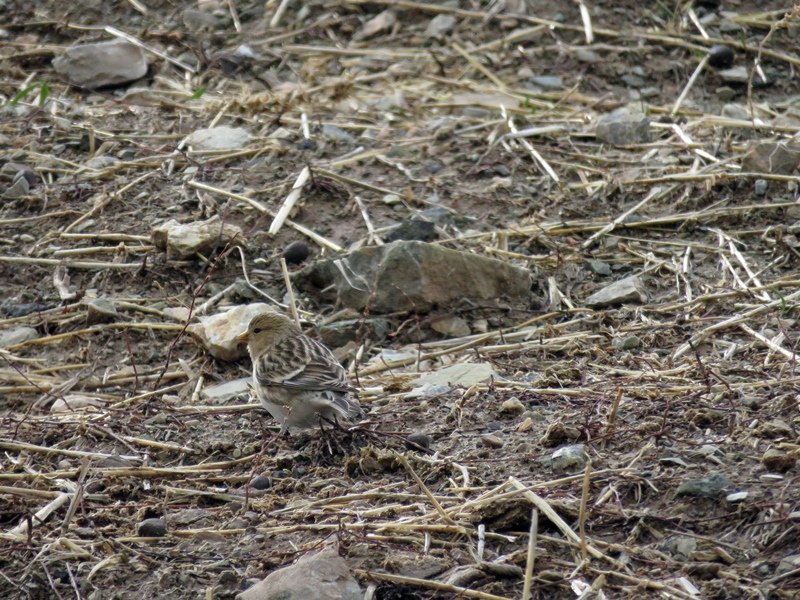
x: 265, y: 330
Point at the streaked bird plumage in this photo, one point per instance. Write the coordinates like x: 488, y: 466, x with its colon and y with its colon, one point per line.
x: 296, y: 375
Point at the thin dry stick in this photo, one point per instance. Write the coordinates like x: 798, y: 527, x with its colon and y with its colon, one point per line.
x: 689, y: 85
x: 612, y: 417
x: 434, y: 585
x: 402, y: 460
x: 582, y: 514
x: 21, y: 530
x: 562, y: 525
x: 587, y: 22
x: 290, y: 292
x: 290, y: 201
x: 526, y: 588
x: 296, y: 226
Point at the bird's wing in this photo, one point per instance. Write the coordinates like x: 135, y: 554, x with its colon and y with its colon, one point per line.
x: 301, y: 363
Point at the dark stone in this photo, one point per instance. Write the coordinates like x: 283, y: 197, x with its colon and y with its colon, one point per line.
x: 411, y: 275
x: 720, y: 56
x: 419, y: 440
x: 412, y: 229
x: 261, y: 482
x: 296, y: 253
x: 15, y: 311
x: 154, y: 527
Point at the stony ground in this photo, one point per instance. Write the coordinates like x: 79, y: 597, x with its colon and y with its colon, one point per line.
x: 656, y: 438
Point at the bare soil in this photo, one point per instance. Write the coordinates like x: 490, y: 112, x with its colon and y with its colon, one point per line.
x: 705, y: 384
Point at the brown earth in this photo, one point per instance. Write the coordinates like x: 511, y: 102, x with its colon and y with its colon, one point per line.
x: 706, y: 379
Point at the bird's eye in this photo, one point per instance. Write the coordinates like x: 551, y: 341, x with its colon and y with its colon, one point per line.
x: 257, y: 330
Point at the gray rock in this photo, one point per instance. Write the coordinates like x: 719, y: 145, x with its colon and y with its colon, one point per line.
x: 261, y: 482
x: 623, y: 127
x: 412, y: 229
x: 227, y: 391
x: 720, y: 56
x: 433, y: 166
x: 437, y: 214
x: 513, y: 406
x: 706, y: 487
x: 410, y: 275
x: 789, y: 563
x: 100, y: 310
x: 182, y: 241
x: 625, y: 343
x: 728, y: 26
x: 337, y: 134
x: 463, y: 374
x: 599, y: 267
x: 735, y: 75
x: 429, y: 390
x: 772, y: 157
x: 74, y: 402
x: 649, y: 92
x: 392, y: 199
x: 630, y: 289
x: 451, y: 326
x: 101, y: 64
x: 322, y: 576
x: 12, y: 171
x: 726, y: 93
x: 218, y: 138
x: 423, y: 440
x: 569, y: 457
x: 218, y: 333
x: 679, y: 546
x: 19, y: 189
x: 737, y: 497
x: 633, y: 81
x: 440, y: 25
x: 491, y: 441
x: 736, y: 111
x: 199, y: 20
x: 12, y: 337
x: 548, y: 82
x: 586, y: 55
x: 761, y: 187
x: 152, y: 528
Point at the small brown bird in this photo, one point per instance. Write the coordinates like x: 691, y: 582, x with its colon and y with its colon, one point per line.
x: 296, y: 378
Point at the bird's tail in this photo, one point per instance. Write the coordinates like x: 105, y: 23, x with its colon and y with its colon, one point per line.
x: 347, y: 406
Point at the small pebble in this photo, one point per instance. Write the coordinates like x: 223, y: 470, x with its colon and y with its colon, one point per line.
x: 513, y: 406
x: 737, y: 496
x: 154, y: 527
x: 720, y: 56
x: 296, y: 253
x: 761, y: 187
x: 422, y: 440
x: 261, y: 482
x: 491, y: 441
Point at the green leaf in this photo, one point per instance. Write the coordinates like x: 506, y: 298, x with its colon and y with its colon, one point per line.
x: 198, y: 93
x: 44, y: 93
x: 22, y: 93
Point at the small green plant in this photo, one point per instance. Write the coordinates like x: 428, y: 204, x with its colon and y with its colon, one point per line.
x: 198, y: 93
x: 44, y: 92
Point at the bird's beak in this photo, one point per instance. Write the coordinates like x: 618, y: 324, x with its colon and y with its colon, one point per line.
x: 244, y: 337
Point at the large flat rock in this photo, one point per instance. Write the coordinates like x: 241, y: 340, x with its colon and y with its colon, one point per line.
x: 412, y: 275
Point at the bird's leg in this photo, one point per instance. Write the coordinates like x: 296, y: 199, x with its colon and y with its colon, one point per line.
x: 257, y: 461
x: 324, y: 435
